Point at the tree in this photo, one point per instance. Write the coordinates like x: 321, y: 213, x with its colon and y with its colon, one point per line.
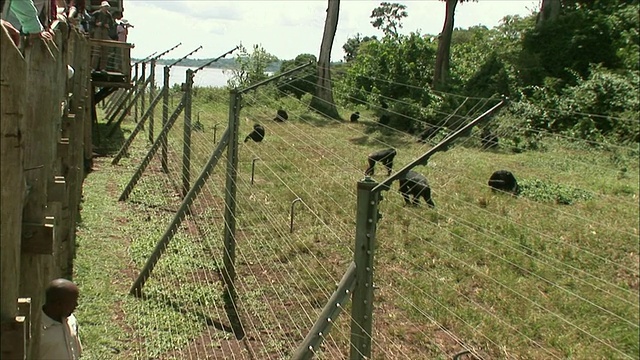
x: 251, y: 67
x: 353, y: 44
x: 302, y: 82
x: 444, y: 46
x: 387, y: 17
x: 323, y: 100
x: 549, y: 11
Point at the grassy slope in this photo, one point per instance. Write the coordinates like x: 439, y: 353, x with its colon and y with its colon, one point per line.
x: 509, y: 276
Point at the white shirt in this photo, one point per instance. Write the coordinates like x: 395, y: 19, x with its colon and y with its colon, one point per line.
x: 59, y: 341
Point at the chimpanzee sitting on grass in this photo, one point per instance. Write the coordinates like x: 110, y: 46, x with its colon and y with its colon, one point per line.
x: 383, y: 156
x: 281, y: 116
x: 355, y: 116
x: 257, y: 134
x: 415, y: 184
x: 504, y: 181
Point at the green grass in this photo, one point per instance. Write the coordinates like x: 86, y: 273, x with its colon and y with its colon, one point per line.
x: 532, y: 277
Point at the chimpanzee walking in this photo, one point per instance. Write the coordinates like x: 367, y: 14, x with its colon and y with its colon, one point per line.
x: 257, y: 134
x: 415, y: 184
x: 503, y: 180
x: 383, y: 156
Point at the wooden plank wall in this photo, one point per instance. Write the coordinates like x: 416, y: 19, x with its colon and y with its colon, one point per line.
x: 43, y: 141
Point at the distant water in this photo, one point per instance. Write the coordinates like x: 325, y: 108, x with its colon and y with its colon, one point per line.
x: 207, y: 77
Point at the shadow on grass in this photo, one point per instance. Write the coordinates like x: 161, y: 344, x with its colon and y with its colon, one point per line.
x: 180, y: 308
x: 317, y: 119
x: 107, y: 145
x: 376, y: 135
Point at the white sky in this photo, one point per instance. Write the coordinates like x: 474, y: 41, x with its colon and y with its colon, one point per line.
x: 285, y: 28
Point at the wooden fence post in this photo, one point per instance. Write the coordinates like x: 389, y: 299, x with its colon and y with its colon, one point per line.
x: 13, y: 72
x: 37, y: 239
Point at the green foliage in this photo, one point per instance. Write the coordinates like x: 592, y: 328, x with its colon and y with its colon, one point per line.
x: 595, y: 108
x: 353, y: 44
x: 301, y: 82
x: 395, y: 69
x: 387, y: 17
x: 542, y: 191
x: 581, y: 36
x: 490, y: 80
x: 252, y: 67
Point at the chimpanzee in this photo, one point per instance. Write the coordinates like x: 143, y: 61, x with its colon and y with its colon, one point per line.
x: 503, y: 180
x: 281, y: 116
x: 488, y: 139
x: 384, y: 118
x: 413, y: 183
x: 355, y: 116
x: 428, y: 133
x: 257, y: 134
x: 384, y: 156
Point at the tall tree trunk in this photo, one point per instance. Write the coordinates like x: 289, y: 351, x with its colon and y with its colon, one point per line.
x: 444, y: 45
x: 549, y: 11
x: 323, y: 100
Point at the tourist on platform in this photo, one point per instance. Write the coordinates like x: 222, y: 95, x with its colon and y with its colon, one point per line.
x: 102, y: 21
x: 23, y: 16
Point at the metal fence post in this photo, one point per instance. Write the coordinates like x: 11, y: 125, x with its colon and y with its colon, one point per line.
x: 135, y: 87
x: 186, y: 141
x: 293, y: 203
x: 362, y: 300
x: 253, y: 166
x: 143, y: 87
x: 229, y: 273
x: 165, y: 118
x: 152, y: 93
x: 229, y: 255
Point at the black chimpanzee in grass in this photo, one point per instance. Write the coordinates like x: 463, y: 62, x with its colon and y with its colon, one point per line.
x: 257, y: 134
x: 503, y: 180
x: 281, y: 116
x: 429, y: 132
x: 416, y: 185
x: 354, y: 117
x: 384, y: 117
x: 384, y: 156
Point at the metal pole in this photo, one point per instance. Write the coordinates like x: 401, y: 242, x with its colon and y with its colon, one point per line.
x: 186, y: 141
x: 152, y: 92
x: 135, y: 87
x: 330, y: 312
x: 143, y: 89
x: 229, y: 256
x: 362, y: 301
x: 253, y: 167
x: 215, y: 130
x: 293, y: 203
x: 165, y: 118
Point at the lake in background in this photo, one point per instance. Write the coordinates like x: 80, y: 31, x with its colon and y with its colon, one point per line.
x: 207, y: 77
